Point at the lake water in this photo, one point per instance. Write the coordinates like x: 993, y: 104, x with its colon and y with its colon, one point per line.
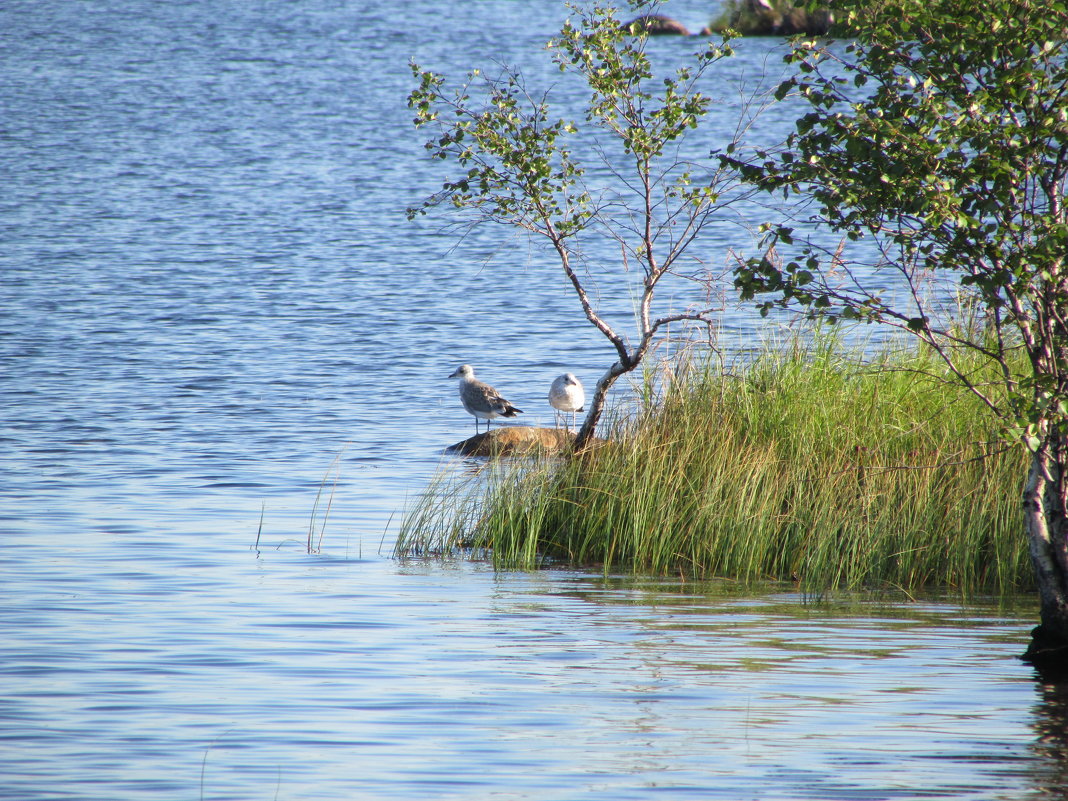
x: 212, y: 308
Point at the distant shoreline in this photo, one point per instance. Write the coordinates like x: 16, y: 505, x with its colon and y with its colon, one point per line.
x: 771, y: 18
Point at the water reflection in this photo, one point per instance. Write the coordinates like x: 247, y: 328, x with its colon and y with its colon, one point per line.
x: 1051, y: 741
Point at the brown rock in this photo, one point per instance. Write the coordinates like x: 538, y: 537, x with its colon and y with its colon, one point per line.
x: 514, y: 441
x: 656, y: 25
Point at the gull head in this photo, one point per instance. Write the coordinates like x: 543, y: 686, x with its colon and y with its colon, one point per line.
x: 464, y: 372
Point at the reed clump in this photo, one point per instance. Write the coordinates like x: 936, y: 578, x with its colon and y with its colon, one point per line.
x: 804, y: 464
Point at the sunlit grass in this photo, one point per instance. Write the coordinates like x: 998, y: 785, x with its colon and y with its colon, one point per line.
x: 805, y: 464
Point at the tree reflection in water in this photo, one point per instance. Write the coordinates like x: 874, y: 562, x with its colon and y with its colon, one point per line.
x: 1051, y: 742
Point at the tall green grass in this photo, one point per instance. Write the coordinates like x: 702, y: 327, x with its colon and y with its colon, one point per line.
x: 807, y: 464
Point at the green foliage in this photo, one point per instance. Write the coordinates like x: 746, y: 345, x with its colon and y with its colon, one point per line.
x: 941, y: 134
x: 804, y: 464
x: 520, y: 168
x: 517, y: 170
x: 617, y: 68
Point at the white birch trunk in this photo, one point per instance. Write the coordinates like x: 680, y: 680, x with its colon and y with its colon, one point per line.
x: 1046, y: 521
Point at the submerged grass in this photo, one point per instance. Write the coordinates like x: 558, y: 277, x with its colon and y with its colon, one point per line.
x: 806, y: 464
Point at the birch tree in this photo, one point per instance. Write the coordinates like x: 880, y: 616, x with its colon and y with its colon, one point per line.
x: 515, y: 163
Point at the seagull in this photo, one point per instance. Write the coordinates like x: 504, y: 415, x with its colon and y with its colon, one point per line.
x: 480, y: 399
x: 567, y: 395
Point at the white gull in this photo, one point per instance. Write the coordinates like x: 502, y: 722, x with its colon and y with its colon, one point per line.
x: 567, y: 395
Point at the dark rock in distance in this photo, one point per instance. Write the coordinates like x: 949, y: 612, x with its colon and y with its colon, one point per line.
x: 763, y: 18
x: 656, y: 25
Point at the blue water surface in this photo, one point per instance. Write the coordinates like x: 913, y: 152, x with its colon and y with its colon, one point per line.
x: 221, y: 340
